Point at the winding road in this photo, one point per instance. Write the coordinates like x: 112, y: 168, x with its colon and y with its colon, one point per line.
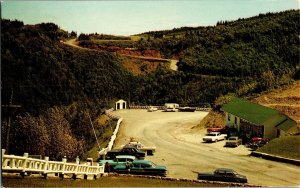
x: 180, y: 148
x: 173, y: 62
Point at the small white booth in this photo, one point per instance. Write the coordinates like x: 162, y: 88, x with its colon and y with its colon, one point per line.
x: 121, y: 104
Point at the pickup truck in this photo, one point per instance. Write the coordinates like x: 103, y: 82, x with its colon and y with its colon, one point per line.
x: 125, y: 151
x: 214, y: 137
x: 138, y: 145
x: 233, y: 141
x: 223, y: 174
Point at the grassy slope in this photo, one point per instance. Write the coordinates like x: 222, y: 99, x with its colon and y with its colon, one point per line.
x: 101, y: 182
x: 284, y: 146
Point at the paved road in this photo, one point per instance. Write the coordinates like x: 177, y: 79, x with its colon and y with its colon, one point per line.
x: 179, y: 147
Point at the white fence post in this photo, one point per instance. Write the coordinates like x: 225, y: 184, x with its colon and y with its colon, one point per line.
x: 76, y: 168
x: 46, y: 166
x: 64, y: 160
x: 24, y: 164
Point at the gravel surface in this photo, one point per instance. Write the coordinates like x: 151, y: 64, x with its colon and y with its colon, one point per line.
x: 181, y: 149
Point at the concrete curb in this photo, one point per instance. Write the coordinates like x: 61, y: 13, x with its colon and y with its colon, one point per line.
x: 226, y: 184
x: 275, y: 158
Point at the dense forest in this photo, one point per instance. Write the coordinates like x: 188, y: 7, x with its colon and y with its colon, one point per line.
x: 59, y: 87
x: 47, y: 77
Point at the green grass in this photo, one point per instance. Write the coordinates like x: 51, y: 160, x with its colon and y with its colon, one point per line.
x: 117, y: 181
x: 287, y: 146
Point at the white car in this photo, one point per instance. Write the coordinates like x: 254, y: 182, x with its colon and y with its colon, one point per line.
x: 214, y: 137
x: 152, y: 109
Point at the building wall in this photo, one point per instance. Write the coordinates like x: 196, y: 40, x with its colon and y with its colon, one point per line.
x: 232, y: 121
x: 270, y: 133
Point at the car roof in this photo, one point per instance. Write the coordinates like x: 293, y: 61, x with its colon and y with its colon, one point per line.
x: 225, y: 169
x: 125, y: 156
x: 128, y: 146
x: 142, y: 162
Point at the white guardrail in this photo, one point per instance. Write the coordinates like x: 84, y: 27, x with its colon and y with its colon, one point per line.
x: 114, y: 135
x: 25, y: 164
x: 162, y: 107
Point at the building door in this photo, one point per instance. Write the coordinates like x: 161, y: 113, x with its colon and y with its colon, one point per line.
x: 124, y: 105
x: 118, y: 106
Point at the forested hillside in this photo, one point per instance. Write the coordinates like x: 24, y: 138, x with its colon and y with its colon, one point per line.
x: 57, y: 86
x: 264, y: 47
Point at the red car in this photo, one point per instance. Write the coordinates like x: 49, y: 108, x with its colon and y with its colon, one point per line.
x: 215, y: 129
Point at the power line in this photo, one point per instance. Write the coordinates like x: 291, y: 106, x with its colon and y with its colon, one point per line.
x: 94, y: 131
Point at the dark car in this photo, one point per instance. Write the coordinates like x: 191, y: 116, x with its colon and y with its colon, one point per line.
x: 223, y: 174
x: 141, y: 167
x: 126, y: 151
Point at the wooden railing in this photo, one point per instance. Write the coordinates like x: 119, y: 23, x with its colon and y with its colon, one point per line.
x: 25, y: 164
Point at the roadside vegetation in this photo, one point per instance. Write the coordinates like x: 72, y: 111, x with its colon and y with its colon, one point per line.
x: 117, y: 181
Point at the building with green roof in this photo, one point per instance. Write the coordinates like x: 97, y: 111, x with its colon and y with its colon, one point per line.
x: 254, y: 120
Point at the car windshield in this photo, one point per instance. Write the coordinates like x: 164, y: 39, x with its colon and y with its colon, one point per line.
x: 153, y: 165
x: 232, y: 139
x: 210, y: 134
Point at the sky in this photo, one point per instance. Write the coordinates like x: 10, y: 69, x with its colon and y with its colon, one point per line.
x: 124, y: 17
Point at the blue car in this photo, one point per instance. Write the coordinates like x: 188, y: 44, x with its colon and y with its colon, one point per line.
x: 120, y: 159
x: 141, y: 167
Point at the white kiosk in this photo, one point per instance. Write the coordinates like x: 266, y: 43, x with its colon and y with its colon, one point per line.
x: 121, y: 104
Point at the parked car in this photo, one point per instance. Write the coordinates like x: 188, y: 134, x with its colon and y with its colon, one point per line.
x: 233, y: 141
x: 152, y: 109
x: 125, y: 151
x: 120, y: 159
x: 223, y: 174
x: 215, y: 129
x: 214, y: 137
x: 187, y: 109
x: 141, y: 167
x: 138, y: 145
x: 257, y: 144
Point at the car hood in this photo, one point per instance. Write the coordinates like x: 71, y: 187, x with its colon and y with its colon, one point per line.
x: 104, y: 161
x: 161, y: 167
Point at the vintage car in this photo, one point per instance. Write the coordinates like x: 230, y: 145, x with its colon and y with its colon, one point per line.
x: 120, y: 159
x: 138, y: 145
x: 152, y: 109
x: 214, y: 137
x: 233, y: 141
x: 141, y: 167
x: 186, y: 109
x: 129, y: 150
x: 223, y: 174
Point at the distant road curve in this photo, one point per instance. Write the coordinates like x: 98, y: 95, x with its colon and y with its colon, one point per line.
x: 173, y: 62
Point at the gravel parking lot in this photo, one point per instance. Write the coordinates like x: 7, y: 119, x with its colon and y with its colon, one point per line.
x: 180, y: 148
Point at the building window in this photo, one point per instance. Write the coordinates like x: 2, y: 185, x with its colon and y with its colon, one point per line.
x: 228, y: 117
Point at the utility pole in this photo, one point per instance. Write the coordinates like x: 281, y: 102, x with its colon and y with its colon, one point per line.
x: 10, y: 107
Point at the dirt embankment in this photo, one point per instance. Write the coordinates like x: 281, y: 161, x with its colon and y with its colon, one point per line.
x: 124, y: 51
x: 286, y: 100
